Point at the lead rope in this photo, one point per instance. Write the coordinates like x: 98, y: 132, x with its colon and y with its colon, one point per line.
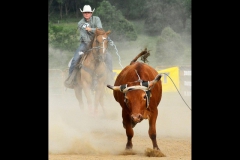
x: 112, y: 44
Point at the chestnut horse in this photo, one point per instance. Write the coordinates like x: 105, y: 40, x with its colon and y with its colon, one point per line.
x: 93, y: 73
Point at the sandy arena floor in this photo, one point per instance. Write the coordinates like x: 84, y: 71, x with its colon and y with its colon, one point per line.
x: 75, y: 134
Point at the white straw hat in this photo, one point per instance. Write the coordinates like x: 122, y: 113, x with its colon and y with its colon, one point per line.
x: 87, y: 8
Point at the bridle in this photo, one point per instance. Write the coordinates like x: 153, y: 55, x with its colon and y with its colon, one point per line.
x: 98, y: 55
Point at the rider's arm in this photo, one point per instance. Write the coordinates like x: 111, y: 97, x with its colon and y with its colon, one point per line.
x: 97, y: 23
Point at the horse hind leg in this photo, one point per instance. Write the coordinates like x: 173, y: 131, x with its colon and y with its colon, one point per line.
x: 78, y: 94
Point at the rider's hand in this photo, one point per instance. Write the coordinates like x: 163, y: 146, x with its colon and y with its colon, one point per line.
x: 88, y: 29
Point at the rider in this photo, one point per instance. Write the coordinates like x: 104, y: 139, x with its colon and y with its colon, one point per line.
x: 87, y: 26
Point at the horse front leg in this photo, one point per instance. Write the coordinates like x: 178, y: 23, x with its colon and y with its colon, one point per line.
x: 99, y: 98
x: 88, y: 95
x: 78, y: 94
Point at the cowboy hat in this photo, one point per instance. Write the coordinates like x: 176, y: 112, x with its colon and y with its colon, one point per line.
x: 87, y: 8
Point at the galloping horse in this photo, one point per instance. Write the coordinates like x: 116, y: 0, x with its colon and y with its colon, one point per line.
x: 93, y: 73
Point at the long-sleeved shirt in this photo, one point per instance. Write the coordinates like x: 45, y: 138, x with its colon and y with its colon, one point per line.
x: 93, y: 23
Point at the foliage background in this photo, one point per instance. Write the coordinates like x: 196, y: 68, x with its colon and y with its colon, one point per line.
x: 163, y: 26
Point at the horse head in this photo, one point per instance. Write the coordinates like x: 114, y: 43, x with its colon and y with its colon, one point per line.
x: 100, y: 44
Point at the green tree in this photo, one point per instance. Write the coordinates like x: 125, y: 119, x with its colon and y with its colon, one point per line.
x: 62, y: 37
x: 178, y: 14
x: 163, y: 13
x: 169, y: 48
x: 112, y: 19
x: 131, y: 10
x: 60, y: 6
x: 156, y: 16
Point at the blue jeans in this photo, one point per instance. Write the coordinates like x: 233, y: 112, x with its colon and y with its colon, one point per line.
x: 82, y: 48
x: 76, y: 57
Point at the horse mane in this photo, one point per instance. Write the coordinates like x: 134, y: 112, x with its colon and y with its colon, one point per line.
x: 91, y: 42
x: 99, y: 31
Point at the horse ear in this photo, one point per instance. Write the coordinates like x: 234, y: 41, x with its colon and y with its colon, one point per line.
x: 96, y: 30
x: 108, y: 32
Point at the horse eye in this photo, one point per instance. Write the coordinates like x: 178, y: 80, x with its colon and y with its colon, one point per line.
x: 145, y: 97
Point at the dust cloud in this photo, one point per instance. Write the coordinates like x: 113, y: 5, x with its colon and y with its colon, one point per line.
x: 73, y: 130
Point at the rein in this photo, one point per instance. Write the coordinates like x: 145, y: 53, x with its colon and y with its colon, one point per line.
x: 98, y: 57
x: 98, y: 47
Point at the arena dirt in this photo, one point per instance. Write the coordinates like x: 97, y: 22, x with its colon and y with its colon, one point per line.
x: 75, y: 134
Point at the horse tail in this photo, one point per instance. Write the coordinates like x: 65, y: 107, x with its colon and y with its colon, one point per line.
x: 144, y: 54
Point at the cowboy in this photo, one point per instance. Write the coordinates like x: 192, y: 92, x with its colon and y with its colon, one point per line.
x: 87, y: 26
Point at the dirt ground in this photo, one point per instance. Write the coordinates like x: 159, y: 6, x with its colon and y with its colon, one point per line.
x: 75, y: 134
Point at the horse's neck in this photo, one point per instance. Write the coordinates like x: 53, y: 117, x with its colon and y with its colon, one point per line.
x: 89, y: 56
x: 91, y: 60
